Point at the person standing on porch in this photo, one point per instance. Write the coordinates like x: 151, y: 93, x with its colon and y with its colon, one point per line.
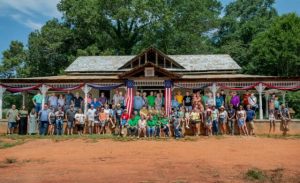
x: 145, y: 99
x: 23, y: 114
x: 61, y: 102
x: 210, y: 100
x: 43, y: 117
x: 235, y: 100
x: 246, y: 99
x: 13, y: 116
x: 103, y: 100
x: 219, y: 100
x: 252, y: 101
x: 223, y: 95
x: 138, y: 102
x: 53, y: 101
x: 32, y: 122
x: 158, y: 102
x: 78, y: 102
x: 96, y: 103
x: 187, y: 102
x: 69, y: 97
x: 37, y: 101
x: 228, y: 99
x: 151, y: 100
x: 179, y: 98
x: 116, y: 98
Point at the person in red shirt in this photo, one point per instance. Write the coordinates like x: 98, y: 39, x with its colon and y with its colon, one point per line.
x: 245, y: 99
x: 124, y: 119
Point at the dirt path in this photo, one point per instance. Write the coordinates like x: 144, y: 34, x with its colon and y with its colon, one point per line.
x: 203, y: 160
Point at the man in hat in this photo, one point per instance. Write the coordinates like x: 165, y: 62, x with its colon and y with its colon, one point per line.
x: 91, y: 118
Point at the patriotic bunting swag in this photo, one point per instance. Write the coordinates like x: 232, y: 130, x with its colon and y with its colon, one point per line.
x: 168, y: 96
x: 129, y: 96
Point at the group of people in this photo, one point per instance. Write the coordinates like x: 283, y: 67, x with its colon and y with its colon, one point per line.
x: 192, y: 112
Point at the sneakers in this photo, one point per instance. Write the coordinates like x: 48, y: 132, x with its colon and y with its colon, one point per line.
x: 187, y: 127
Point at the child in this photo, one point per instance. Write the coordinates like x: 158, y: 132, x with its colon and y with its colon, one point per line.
x: 187, y: 119
x: 102, y: 119
x: 124, y: 119
x: 272, y: 121
x: 181, y: 114
x: 142, y: 126
x: 176, y: 125
x: 223, y: 119
x: 241, y: 118
x: 165, y: 125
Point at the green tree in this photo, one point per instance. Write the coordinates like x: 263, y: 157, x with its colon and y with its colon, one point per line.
x: 49, y: 49
x: 13, y: 61
x: 276, y: 51
x: 242, y: 21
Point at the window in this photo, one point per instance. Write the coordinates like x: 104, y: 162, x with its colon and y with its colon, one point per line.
x: 149, y: 71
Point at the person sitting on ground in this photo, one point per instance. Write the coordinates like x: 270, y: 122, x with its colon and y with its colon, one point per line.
x: 151, y: 126
x: 165, y: 125
x: 223, y: 116
x: 124, y: 119
x: 250, y: 116
x: 142, y: 126
x: 132, y: 126
x: 272, y: 121
x: 285, y: 119
x: 80, y: 121
x: 241, y: 118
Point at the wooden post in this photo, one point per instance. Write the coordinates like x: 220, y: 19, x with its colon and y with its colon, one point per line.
x: 23, y: 98
x: 164, y: 62
x: 156, y: 58
x: 2, y: 90
x: 146, y: 58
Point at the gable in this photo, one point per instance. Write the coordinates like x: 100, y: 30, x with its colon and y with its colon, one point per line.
x: 146, y: 71
x: 153, y: 56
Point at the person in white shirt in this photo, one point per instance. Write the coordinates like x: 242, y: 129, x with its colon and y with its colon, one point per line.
x: 91, y: 118
x: 252, y: 101
x: 79, y: 121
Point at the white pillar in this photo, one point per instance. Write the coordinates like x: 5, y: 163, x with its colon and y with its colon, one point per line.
x: 2, y: 90
x: 267, y: 103
x: 43, y: 90
x: 23, y: 98
x: 214, y: 88
x: 86, y: 89
x: 260, y: 88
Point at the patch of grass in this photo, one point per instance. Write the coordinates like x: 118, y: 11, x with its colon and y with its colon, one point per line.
x: 255, y: 175
x: 4, y: 144
x: 276, y: 175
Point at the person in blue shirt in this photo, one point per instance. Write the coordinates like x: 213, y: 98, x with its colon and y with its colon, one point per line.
x: 250, y: 116
x: 96, y: 103
x: 219, y: 100
x: 138, y: 102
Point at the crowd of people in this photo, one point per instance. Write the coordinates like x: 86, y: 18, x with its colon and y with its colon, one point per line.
x: 192, y: 112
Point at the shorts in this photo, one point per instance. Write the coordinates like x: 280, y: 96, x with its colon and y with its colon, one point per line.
x: 208, y: 124
x: 12, y: 124
x: 91, y: 123
x: 195, y: 121
x: 103, y: 123
x: 241, y: 122
x: 80, y: 127
x: 222, y: 120
x: 96, y: 122
x: 123, y: 122
x: 251, y: 125
x: 70, y: 124
x: 188, y: 108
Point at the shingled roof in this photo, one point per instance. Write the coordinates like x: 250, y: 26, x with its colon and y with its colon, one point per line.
x: 189, y: 63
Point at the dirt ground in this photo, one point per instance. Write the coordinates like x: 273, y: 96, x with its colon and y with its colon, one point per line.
x: 226, y: 159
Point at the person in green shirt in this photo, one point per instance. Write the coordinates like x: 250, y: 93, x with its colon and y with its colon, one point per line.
x: 165, y: 125
x: 155, y: 118
x: 12, y: 116
x: 37, y: 101
x: 151, y: 123
x: 151, y: 100
x: 133, y: 124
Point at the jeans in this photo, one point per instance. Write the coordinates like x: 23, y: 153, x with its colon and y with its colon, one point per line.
x: 215, y: 127
x: 177, y: 132
x: 157, y: 131
x: 151, y: 130
x: 231, y: 125
x: 166, y: 130
x: 38, y: 107
x: 59, y: 125
x: 44, y: 127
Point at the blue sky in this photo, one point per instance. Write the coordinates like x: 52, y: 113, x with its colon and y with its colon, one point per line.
x: 20, y: 17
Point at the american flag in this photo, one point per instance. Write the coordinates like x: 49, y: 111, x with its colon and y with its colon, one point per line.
x: 168, y: 96
x: 129, y: 96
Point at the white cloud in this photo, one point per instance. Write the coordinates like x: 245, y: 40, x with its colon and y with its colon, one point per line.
x: 26, y: 21
x: 32, y: 7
